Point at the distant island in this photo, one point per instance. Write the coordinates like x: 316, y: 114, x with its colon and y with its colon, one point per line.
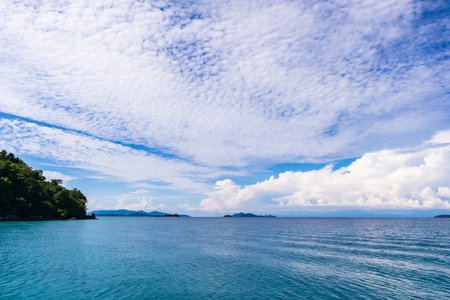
x: 442, y: 216
x: 248, y: 215
x: 25, y: 195
x: 133, y: 213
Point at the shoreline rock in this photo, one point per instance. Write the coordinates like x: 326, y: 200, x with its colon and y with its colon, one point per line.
x: 14, y: 218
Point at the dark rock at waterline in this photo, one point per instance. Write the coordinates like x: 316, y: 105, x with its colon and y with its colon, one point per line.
x: 87, y: 217
x: 169, y: 215
x: 11, y: 218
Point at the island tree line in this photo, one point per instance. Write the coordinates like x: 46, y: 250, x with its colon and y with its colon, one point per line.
x: 25, y: 193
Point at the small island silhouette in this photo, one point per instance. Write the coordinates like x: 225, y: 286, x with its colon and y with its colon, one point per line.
x: 247, y: 215
x: 442, y: 216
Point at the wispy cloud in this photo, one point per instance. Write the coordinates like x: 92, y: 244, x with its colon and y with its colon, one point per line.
x: 111, y: 161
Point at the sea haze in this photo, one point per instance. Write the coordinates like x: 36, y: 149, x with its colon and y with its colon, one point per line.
x: 226, y: 258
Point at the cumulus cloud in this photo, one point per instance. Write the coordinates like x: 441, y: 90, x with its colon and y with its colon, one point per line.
x: 442, y: 137
x: 389, y: 179
x: 230, y: 83
x: 138, y: 203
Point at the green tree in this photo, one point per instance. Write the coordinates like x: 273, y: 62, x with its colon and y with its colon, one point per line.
x: 25, y: 192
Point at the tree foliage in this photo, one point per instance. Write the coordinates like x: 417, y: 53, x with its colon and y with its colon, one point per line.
x: 24, y: 192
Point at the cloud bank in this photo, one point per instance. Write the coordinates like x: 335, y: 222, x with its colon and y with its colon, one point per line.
x: 389, y: 179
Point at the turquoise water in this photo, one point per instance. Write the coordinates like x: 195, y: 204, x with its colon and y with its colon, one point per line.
x: 226, y: 258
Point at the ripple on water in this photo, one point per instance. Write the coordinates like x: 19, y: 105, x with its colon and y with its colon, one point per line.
x: 195, y: 258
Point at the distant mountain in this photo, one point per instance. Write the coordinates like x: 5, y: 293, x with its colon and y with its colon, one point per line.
x: 120, y: 212
x: 442, y: 216
x: 142, y: 213
x: 130, y: 213
x: 250, y: 215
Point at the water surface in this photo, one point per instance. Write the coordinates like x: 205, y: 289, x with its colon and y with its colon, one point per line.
x: 226, y: 258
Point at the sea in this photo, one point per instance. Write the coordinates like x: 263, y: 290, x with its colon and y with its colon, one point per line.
x: 226, y: 258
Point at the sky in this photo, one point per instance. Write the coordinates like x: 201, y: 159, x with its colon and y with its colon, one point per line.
x: 291, y: 108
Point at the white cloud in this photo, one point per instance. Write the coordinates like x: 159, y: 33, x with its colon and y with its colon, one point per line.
x: 390, y: 179
x: 111, y: 161
x: 142, y: 191
x: 442, y: 137
x: 94, y: 203
x: 215, y: 86
x: 49, y: 175
x: 186, y: 207
x: 229, y: 83
x: 144, y: 202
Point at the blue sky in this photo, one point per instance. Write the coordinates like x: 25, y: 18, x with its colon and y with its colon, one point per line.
x: 212, y: 107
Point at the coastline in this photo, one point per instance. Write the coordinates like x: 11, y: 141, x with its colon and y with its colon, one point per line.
x: 14, y: 218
